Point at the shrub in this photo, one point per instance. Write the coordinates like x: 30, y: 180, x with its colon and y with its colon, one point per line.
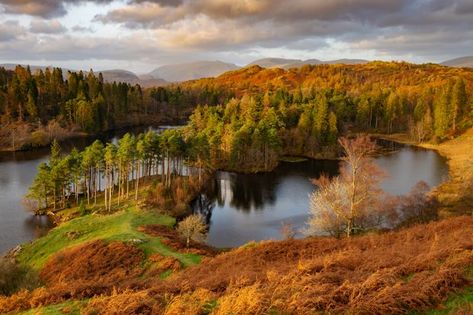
x: 14, y: 277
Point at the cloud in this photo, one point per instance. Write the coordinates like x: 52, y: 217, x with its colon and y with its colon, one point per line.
x: 415, y: 26
x: 10, y: 30
x: 82, y: 29
x: 166, y: 30
x: 47, y: 27
x: 42, y: 8
x: 68, y: 47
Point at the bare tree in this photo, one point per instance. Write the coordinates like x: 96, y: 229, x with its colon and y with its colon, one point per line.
x: 192, y: 228
x: 349, y: 202
x: 287, y: 231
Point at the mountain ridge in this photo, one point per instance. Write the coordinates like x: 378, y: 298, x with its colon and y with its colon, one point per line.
x: 465, y: 61
x: 187, y: 71
x: 192, y: 70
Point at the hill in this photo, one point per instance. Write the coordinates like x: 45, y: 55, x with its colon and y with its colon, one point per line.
x: 459, y: 62
x: 353, y: 79
x: 276, y: 62
x: 296, y: 63
x: 192, y: 70
x: 118, y: 75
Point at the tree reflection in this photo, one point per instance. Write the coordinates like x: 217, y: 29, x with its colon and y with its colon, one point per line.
x: 254, y: 192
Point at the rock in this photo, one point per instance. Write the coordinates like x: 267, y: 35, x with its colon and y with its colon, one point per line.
x: 12, y: 253
x: 136, y: 241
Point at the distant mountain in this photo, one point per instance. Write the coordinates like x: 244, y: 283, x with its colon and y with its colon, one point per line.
x: 296, y: 63
x: 116, y: 75
x: 119, y: 75
x: 346, y: 61
x: 275, y: 62
x: 192, y: 70
x: 466, y: 61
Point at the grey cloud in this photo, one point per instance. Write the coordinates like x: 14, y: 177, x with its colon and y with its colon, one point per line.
x: 55, y: 8
x: 68, y: 47
x: 271, y: 23
x: 42, y: 8
x: 256, y: 10
x: 464, y: 7
x: 171, y: 3
x: 83, y: 29
x: 431, y: 46
x: 47, y: 27
x: 182, y: 28
x: 10, y: 30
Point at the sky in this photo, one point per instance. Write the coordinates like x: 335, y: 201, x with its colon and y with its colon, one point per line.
x: 140, y: 35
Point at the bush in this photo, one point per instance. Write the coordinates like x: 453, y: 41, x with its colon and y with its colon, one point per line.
x: 39, y: 138
x: 83, y: 209
x: 14, y: 277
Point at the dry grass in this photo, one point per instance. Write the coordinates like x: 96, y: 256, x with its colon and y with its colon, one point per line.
x: 413, y: 269
x: 95, y: 261
x: 409, y: 270
x: 84, y: 271
x: 171, y: 238
x: 127, y: 302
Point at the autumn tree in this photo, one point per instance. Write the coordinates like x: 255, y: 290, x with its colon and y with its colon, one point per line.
x: 459, y: 101
x: 347, y: 204
x: 192, y: 228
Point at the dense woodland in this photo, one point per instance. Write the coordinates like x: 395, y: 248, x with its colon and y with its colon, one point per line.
x: 253, y: 131
x: 298, y: 111
x: 38, y: 107
x: 114, y: 171
x: 302, y: 116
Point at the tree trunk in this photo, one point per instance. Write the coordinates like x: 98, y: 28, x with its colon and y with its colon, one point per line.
x: 137, y: 182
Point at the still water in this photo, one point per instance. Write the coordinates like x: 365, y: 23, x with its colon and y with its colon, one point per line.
x: 241, y: 207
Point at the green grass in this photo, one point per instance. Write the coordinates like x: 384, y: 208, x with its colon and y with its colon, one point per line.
x: 165, y: 274
x: 71, y: 308
x: 455, y: 303
x: 121, y: 226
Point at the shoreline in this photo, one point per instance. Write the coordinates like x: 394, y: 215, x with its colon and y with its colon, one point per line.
x: 443, y: 191
x: 454, y: 195
x: 70, y: 135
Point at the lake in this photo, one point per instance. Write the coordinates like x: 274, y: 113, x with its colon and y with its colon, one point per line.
x: 239, y: 207
x: 17, y: 171
x: 245, y: 207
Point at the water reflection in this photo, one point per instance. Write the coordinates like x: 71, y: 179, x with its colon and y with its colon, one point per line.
x: 17, y: 170
x: 245, y: 207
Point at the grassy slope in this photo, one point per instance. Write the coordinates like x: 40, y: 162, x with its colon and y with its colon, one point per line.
x: 414, y: 269
x: 120, y: 226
